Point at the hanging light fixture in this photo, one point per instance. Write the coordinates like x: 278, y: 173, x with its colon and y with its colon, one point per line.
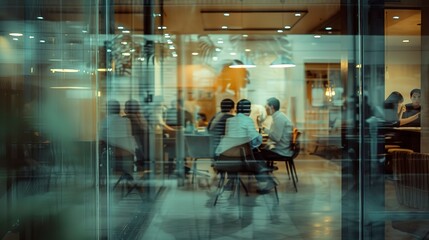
x: 282, y: 62
x: 246, y: 63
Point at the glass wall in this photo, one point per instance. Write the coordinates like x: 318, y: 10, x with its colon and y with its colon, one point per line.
x: 98, y: 99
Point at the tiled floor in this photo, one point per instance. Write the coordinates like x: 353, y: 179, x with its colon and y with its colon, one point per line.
x: 187, y: 212
x: 311, y: 213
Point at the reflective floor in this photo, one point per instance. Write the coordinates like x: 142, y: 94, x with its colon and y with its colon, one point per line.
x: 314, y: 212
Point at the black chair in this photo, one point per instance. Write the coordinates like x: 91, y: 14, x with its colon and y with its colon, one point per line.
x: 289, y: 161
x: 235, y: 161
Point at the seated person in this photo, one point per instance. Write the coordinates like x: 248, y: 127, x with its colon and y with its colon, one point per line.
x: 116, y: 132
x: 394, y: 110
x: 217, y: 124
x: 279, y: 134
x: 240, y: 130
x: 413, y: 108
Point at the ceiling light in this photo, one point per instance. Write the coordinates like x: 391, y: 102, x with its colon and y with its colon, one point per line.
x: 40, y: 18
x: 282, y: 62
x: 406, y: 41
x: 120, y: 27
x: 195, y: 54
x: 297, y: 14
x: 162, y: 27
x: 15, y: 34
x: 247, y: 50
x: 279, y: 31
x: 15, y: 39
x: 31, y: 37
x: 171, y: 47
x: 224, y: 27
x: 64, y: 70
x: 126, y: 54
x: 328, y: 28
x: 218, y: 50
x: 395, y: 17
x: 245, y: 35
x: 42, y: 41
x: 288, y: 27
x: 317, y: 36
x: 124, y: 43
x: 226, y: 14
x: 126, y: 31
x: 233, y: 54
x: 247, y: 63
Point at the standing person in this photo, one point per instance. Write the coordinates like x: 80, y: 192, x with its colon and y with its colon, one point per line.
x: 279, y: 134
x: 413, y: 108
x: 217, y: 124
x: 240, y: 130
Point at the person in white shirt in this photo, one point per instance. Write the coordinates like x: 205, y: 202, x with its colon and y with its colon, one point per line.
x: 279, y: 134
x: 240, y: 130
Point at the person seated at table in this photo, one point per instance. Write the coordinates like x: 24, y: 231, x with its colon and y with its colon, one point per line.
x: 279, y: 134
x: 240, y: 130
x: 413, y: 108
x: 394, y: 110
x: 217, y: 124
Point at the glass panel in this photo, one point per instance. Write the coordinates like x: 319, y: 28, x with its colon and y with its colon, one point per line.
x: 48, y: 121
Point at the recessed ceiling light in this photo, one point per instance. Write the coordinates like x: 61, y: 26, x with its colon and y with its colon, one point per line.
x: 40, y: 18
x: 162, y: 27
x: 126, y: 54
x: 395, y: 17
x: 195, y: 54
x: 233, y: 54
x: 126, y: 31
x: 15, y: 34
x: 124, y: 43
x: 218, y: 50
x: 297, y: 14
x: 15, y: 39
x: 406, y: 41
x: 279, y: 31
x: 247, y: 50
x: 245, y: 35
x: 317, y: 36
x: 220, y: 41
x: 288, y: 27
x: 226, y: 14
x: 224, y: 27
x: 171, y: 47
x: 215, y: 59
x: 120, y: 27
x: 42, y: 41
x: 328, y: 28
x: 31, y: 37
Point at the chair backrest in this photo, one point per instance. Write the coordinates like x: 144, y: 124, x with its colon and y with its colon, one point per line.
x: 235, y: 159
x: 295, y: 144
x: 199, y: 146
x: 411, y: 171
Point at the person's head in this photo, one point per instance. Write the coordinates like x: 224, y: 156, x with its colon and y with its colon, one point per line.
x: 113, y: 107
x: 244, y: 106
x: 415, y: 97
x: 272, y: 106
x: 394, y: 100
x: 132, y: 107
x: 227, y: 105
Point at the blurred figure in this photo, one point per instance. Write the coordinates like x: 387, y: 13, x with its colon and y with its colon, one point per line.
x: 139, y: 130
x: 241, y: 130
x: 174, y: 115
x: 413, y: 108
x: 394, y: 110
x: 116, y: 134
x: 217, y: 124
x: 279, y: 134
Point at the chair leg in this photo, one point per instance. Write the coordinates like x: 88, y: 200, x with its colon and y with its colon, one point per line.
x: 244, y: 186
x: 194, y: 169
x: 294, y: 169
x: 287, y: 169
x: 220, y: 186
x: 290, y: 163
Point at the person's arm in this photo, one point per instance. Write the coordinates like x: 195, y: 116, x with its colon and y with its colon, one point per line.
x: 403, y: 121
x: 276, y: 131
